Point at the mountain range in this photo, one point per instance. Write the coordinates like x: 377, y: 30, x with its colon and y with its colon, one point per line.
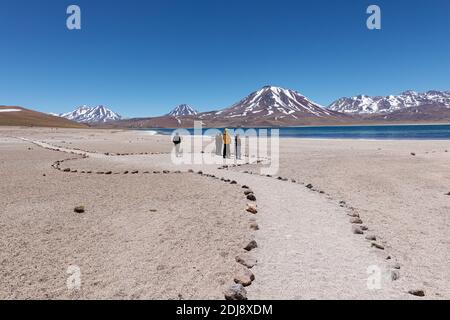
x: 86, y: 114
x: 364, y: 104
x: 276, y: 106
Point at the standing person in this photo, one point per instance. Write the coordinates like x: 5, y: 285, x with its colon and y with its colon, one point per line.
x: 177, y: 142
x: 237, y: 144
x: 226, y: 143
x: 219, y: 144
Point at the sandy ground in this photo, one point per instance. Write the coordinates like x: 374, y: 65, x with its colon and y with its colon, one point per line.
x: 186, y: 248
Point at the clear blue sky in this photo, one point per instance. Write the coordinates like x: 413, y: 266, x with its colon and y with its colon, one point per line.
x: 142, y: 58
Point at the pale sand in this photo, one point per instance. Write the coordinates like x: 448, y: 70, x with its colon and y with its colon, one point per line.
x: 306, y: 247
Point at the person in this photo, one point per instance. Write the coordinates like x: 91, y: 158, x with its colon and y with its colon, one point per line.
x: 177, y: 142
x: 237, y: 144
x: 226, y: 143
x: 219, y: 144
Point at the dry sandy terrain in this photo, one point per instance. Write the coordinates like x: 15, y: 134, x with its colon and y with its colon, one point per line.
x: 154, y: 235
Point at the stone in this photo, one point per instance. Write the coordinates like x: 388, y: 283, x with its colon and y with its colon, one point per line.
x: 353, y: 215
x: 247, y: 192
x: 395, y: 275
x: 364, y: 228
x: 246, y: 260
x: 166, y: 171
x: 200, y: 172
x: 371, y: 237
x: 252, y: 208
x: 125, y: 172
x: 108, y: 172
x: 396, y: 265
x: 244, y: 277
x: 233, y: 182
x: 100, y: 172
x: 251, y: 197
x: 191, y: 171
x: 79, y: 209
x: 417, y: 292
x: 134, y: 172
x: 66, y: 170
x: 377, y: 245
x: 235, y: 292
x: 356, y: 221
x: 309, y: 186
x: 254, y: 226
x: 251, y: 245
x: 357, y: 230
x: 413, y: 154
x: 245, y: 187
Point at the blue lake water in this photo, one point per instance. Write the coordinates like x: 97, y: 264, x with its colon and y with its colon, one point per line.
x: 380, y: 132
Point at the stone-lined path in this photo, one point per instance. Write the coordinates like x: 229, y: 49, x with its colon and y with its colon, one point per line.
x: 306, y: 247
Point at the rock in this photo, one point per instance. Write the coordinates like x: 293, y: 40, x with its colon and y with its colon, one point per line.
x: 417, y: 292
x: 79, y: 209
x: 245, y: 187
x: 44, y: 175
x: 235, y: 292
x: 156, y: 172
x: 233, y: 182
x: 309, y: 186
x: 134, y: 172
x: 252, y: 208
x: 108, y: 172
x: 125, y: 172
x: 371, y: 237
x: 251, y: 197
x: 364, y: 228
x: 247, y: 192
x: 244, y: 277
x: 395, y: 275
x: 353, y: 214
x: 356, y: 221
x: 254, y: 226
x: 246, y: 260
x: 251, y: 245
x: 66, y: 170
x: 377, y: 245
x: 357, y: 230
x: 293, y: 181
x: 200, y: 172
x: 100, y: 172
x: 191, y: 171
x: 413, y: 154
x: 396, y: 266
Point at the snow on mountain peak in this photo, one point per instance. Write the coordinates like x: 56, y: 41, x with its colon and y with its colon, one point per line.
x: 274, y: 102
x: 182, y: 110
x: 370, y: 105
x: 86, y: 114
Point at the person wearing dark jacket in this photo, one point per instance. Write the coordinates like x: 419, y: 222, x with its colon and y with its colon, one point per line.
x: 177, y: 142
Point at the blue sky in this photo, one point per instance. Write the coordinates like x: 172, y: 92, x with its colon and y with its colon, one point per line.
x: 141, y: 58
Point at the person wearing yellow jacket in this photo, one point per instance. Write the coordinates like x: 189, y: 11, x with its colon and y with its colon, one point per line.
x: 226, y: 144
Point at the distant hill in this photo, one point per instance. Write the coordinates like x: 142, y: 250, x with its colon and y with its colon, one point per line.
x: 86, y: 114
x: 182, y: 110
x: 19, y: 116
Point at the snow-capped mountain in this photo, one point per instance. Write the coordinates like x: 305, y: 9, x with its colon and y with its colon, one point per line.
x: 364, y: 104
x: 273, y: 103
x: 182, y: 110
x: 86, y: 114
